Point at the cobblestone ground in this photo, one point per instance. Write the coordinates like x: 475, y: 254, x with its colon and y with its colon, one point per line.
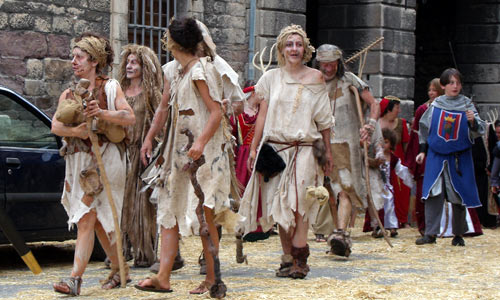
x: 373, y: 271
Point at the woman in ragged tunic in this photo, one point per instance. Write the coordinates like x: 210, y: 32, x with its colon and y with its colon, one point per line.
x: 294, y: 113
x: 196, y: 98
x: 141, y: 79
x: 92, y: 55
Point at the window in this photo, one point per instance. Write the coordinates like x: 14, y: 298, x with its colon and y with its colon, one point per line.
x: 21, y: 128
x: 148, y: 20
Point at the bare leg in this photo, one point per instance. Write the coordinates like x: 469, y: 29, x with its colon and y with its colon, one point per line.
x: 344, y: 212
x: 110, y: 249
x: 339, y: 240
x: 299, y: 239
x: 286, y: 240
x: 169, y: 246
x: 84, y: 243
x: 300, y: 249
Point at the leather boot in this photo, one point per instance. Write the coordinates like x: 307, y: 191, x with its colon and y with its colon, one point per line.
x: 300, y: 268
x: 285, y: 266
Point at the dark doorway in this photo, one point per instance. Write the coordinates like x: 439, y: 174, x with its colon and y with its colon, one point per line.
x: 435, y: 47
x: 312, y: 21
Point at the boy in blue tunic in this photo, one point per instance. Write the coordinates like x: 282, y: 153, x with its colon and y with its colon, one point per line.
x: 447, y: 131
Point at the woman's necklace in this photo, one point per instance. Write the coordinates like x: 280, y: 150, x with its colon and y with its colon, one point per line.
x: 184, y: 69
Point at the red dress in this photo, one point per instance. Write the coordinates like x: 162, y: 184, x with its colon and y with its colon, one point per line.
x: 401, y: 191
x: 416, y: 169
x: 243, y: 130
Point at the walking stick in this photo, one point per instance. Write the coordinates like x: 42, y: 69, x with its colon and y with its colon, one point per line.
x: 104, y: 178
x: 218, y: 290
x: 371, y: 206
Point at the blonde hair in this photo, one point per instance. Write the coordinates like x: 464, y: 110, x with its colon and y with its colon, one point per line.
x: 152, y: 80
x: 436, y: 85
x: 283, y: 37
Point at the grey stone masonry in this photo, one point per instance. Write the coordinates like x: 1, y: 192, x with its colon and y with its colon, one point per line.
x: 270, y: 17
x: 478, y: 50
x: 35, y: 44
x: 227, y: 22
x: 352, y: 25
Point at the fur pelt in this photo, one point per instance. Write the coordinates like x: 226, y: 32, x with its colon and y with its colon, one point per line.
x: 269, y: 163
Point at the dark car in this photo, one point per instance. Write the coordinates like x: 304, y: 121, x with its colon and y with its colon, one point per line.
x: 31, y: 171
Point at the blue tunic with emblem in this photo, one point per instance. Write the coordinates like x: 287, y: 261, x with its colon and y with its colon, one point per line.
x: 450, y: 140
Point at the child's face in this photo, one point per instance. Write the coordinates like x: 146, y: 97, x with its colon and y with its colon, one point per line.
x: 453, y: 88
x: 387, y: 145
x: 432, y: 92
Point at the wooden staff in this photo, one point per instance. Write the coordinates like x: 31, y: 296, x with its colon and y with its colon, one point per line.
x: 218, y: 290
x: 18, y: 243
x: 371, y: 206
x: 104, y: 179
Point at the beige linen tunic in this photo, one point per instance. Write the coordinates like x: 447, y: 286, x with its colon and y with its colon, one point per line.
x: 189, y: 111
x: 115, y: 166
x: 296, y: 112
x: 346, y: 151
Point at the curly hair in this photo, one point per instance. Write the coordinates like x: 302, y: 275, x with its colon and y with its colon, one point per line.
x: 98, y: 48
x: 182, y: 35
x: 282, y: 38
x: 152, y: 81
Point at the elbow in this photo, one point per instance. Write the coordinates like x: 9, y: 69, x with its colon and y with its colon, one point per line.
x: 217, y: 115
x: 132, y: 120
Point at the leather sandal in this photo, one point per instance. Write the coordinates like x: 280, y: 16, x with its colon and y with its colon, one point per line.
x: 69, y: 286
x: 202, y: 288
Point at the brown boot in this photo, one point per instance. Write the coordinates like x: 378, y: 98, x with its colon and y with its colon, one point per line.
x: 300, y: 268
x: 340, y: 242
x: 285, y: 266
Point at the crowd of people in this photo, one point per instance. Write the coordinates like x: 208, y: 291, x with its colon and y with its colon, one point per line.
x: 189, y: 146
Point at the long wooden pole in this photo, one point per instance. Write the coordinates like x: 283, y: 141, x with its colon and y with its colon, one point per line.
x: 371, y: 206
x: 104, y: 179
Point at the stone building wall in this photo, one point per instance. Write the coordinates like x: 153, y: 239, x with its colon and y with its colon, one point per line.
x: 390, y: 66
x: 35, y: 44
x: 229, y: 24
x: 478, y: 50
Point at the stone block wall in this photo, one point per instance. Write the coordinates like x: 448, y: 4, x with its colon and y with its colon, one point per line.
x: 352, y: 25
x: 35, y: 44
x: 478, y: 50
x: 227, y: 22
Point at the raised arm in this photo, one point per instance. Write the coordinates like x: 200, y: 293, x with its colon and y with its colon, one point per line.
x: 60, y: 129
x: 123, y: 115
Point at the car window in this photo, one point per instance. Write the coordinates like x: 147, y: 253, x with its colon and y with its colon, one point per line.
x: 21, y: 128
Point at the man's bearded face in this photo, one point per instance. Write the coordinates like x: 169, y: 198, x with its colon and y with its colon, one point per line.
x: 329, y: 69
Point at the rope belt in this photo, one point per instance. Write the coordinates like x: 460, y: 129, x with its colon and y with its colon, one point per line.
x: 296, y: 145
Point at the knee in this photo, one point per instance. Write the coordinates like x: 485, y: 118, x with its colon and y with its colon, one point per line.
x: 344, y: 198
x: 87, y: 222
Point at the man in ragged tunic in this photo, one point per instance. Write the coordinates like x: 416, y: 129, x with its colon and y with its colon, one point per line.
x: 345, y: 145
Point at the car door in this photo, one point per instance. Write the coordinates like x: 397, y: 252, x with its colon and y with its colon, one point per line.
x: 32, y: 172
